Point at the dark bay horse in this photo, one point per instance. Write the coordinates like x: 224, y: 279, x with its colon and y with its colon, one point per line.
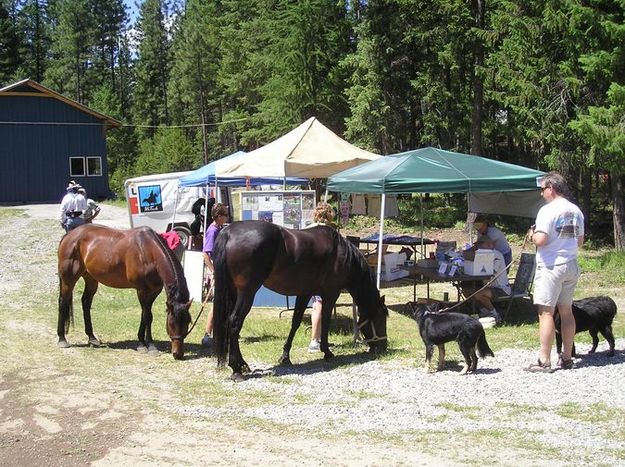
x: 316, y: 261
x: 123, y: 259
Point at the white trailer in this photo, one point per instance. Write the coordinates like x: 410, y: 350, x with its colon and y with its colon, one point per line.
x: 158, y: 202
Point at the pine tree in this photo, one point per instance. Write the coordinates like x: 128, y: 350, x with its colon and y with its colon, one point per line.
x: 194, y: 97
x: 302, y: 44
x: 36, y: 24
x: 72, y: 40
x: 10, y: 42
x: 152, y: 66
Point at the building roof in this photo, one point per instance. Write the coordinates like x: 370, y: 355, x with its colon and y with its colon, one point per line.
x: 30, y: 87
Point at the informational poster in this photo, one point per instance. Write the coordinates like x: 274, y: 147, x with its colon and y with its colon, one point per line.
x: 150, y: 199
x: 291, y: 209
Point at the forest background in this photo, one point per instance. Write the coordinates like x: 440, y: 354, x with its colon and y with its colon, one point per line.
x: 536, y: 83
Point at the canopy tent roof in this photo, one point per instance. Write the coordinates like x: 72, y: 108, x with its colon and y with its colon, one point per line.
x: 311, y: 150
x: 208, y: 175
x: 431, y: 170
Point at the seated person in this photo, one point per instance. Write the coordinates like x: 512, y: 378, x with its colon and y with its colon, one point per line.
x: 485, y: 230
x: 499, y: 287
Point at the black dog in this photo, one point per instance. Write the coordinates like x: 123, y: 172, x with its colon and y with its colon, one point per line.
x: 594, y: 314
x: 437, y: 328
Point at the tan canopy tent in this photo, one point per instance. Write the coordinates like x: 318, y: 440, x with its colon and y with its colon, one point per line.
x: 309, y: 151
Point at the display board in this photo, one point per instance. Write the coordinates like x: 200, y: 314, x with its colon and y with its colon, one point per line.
x: 193, y: 264
x: 290, y: 209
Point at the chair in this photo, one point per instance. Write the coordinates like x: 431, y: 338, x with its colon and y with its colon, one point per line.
x: 521, y: 287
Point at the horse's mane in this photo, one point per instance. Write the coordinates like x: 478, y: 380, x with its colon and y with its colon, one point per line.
x: 361, y: 282
x: 177, y: 290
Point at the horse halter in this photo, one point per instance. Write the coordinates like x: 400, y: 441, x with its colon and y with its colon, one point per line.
x: 375, y: 337
x: 193, y: 325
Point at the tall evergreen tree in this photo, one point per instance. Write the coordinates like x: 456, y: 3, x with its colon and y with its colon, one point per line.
x: 110, y: 16
x: 10, y: 42
x: 72, y: 41
x: 152, y: 66
x: 35, y: 22
x: 302, y: 45
x: 600, y: 123
x: 194, y: 97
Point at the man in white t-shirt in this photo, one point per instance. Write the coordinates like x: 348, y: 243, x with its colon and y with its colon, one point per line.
x: 558, y: 233
x: 73, y: 205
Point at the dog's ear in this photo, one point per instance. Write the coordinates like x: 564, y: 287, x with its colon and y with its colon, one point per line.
x: 419, y: 309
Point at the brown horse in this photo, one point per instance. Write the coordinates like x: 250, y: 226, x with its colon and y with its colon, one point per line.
x: 123, y: 259
x: 316, y: 261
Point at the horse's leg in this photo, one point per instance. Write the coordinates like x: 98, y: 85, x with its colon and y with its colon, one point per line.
x: 146, y: 299
x: 327, y: 304
x: 242, y: 307
x: 298, y: 313
x: 91, y: 287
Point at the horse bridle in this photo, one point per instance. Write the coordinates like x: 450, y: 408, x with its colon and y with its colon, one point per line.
x: 375, y: 337
x: 192, y: 326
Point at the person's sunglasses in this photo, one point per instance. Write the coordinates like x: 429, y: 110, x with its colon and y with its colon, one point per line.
x: 543, y: 188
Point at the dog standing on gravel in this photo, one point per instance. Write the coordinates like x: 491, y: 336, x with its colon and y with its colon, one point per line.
x: 595, y: 315
x: 438, y: 328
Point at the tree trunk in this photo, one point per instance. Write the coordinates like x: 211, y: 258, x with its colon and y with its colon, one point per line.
x: 478, y: 84
x: 618, y: 192
x: 585, y: 196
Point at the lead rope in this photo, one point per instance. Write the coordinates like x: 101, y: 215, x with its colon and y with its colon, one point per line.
x: 198, y: 315
x: 507, y: 268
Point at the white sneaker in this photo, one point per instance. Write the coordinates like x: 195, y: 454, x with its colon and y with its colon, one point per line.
x: 314, y: 346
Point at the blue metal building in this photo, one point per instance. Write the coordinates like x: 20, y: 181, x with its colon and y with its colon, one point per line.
x: 46, y: 140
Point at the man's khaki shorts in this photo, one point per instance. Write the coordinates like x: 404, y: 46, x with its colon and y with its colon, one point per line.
x: 555, y: 285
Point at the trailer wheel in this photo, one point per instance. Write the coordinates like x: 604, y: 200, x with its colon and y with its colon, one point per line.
x: 185, y: 235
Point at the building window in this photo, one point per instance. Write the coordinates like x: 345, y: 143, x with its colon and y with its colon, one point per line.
x: 94, y: 166
x: 77, y: 166
x: 91, y: 166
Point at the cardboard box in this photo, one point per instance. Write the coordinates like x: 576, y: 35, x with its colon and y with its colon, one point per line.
x: 391, y: 267
x: 482, y: 264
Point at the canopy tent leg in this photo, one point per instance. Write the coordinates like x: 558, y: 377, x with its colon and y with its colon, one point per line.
x: 422, y: 245
x: 173, y: 216
x: 382, y: 209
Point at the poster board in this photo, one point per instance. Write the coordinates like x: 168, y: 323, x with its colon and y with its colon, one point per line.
x: 193, y: 265
x: 292, y: 209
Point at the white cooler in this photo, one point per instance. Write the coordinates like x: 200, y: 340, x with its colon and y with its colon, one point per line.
x: 482, y: 264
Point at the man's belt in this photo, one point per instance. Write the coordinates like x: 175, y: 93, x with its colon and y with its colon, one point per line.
x: 73, y: 214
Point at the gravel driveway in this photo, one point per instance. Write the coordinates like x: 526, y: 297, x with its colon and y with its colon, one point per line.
x: 369, y: 413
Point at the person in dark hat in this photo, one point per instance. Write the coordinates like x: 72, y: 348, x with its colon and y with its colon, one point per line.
x: 73, y: 205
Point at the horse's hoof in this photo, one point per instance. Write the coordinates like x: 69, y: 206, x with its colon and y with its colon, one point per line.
x: 284, y: 361
x: 62, y: 344
x: 94, y: 342
x: 245, y: 368
x: 611, y: 353
x: 153, y: 350
x: 237, y: 377
x: 328, y: 356
x: 142, y: 348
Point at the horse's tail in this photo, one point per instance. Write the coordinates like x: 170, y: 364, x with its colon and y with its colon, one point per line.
x: 66, y: 314
x: 223, y: 301
x: 482, y: 346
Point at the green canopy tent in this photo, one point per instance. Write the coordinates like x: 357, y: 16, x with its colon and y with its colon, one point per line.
x: 497, y: 187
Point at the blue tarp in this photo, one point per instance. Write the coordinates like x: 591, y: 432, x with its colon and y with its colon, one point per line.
x: 207, y: 176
